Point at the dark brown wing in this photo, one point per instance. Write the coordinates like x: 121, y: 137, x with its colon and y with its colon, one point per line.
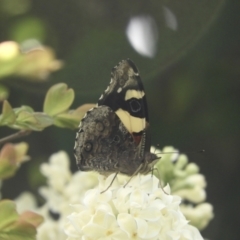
x: 104, y: 144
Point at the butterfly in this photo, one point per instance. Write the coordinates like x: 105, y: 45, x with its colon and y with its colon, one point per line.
x: 114, y: 137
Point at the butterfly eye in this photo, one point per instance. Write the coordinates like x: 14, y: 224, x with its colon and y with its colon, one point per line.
x: 99, y: 126
x: 88, y: 147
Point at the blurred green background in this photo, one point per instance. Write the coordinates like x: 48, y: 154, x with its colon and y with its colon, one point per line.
x: 191, y: 78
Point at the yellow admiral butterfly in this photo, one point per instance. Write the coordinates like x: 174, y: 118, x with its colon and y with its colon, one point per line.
x: 114, y: 135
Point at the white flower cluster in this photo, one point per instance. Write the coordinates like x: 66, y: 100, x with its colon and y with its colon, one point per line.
x: 62, y: 188
x: 141, y: 210
x: 186, y: 181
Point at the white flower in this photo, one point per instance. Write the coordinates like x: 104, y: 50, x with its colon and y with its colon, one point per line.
x: 26, y: 201
x: 185, y: 181
x: 50, y: 230
x: 57, y: 170
x: 195, y: 192
x: 199, y: 215
x: 63, y: 187
x: 141, y: 210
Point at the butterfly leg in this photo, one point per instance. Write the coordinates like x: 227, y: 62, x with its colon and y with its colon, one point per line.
x: 110, y: 183
x: 135, y: 173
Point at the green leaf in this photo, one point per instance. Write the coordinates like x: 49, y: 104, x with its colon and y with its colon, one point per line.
x: 15, y: 227
x: 43, y: 120
x: 7, y: 169
x: 4, y: 92
x: 11, y: 156
x: 72, y: 118
x: 28, y: 28
x: 9, y: 67
x: 23, y: 108
x: 67, y: 120
x: 58, y: 99
x: 8, y: 116
x: 32, y: 218
x: 27, y: 118
x: 8, y: 213
x: 35, y: 121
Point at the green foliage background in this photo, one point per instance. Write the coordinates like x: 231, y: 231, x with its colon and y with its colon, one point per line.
x: 192, y: 83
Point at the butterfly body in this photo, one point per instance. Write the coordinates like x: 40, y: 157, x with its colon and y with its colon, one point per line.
x: 114, y: 136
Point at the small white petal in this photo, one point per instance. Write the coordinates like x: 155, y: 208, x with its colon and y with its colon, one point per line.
x: 50, y: 230
x: 25, y: 201
x: 150, y: 214
x: 142, y: 227
x: 197, y: 179
x: 138, y: 198
x: 93, y: 231
x: 196, y: 194
x: 103, y: 218
x: 127, y: 223
x: 191, y: 233
x: 200, y: 215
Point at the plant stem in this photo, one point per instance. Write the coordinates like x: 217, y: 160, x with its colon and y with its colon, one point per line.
x: 11, y: 137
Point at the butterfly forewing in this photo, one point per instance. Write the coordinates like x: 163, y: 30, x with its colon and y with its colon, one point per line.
x: 125, y: 95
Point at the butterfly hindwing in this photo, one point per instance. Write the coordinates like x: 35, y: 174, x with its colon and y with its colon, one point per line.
x: 104, y: 144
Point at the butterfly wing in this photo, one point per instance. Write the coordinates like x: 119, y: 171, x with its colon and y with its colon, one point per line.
x: 104, y: 144
x: 126, y: 96
x: 113, y: 137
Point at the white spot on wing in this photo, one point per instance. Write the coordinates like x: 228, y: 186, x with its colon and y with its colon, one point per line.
x: 133, y: 124
x: 90, y: 109
x: 111, y: 81
x: 107, y: 89
x: 134, y: 94
x: 101, y: 97
x: 119, y: 90
x: 75, y: 145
